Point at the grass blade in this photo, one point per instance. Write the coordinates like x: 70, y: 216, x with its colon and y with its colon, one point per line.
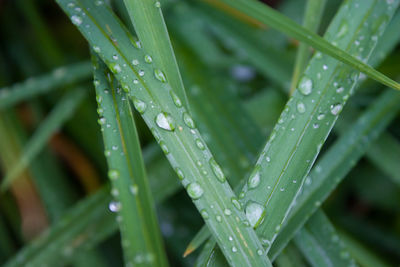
x: 311, y: 21
x: 148, y: 21
x: 62, y: 112
x: 142, y: 244
x: 34, y: 86
x: 172, y: 127
x: 275, y: 20
x: 331, y: 169
x: 321, y: 244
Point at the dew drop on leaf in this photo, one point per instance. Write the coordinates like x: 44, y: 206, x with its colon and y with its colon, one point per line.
x: 301, y: 108
x: 159, y: 74
x: 217, y: 170
x: 254, y: 179
x: 114, y: 206
x: 113, y: 174
x: 165, y: 121
x: 336, y: 108
x: 254, y: 211
x: 140, y: 106
x: 76, y: 20
x: 305, y: 85
x: 187, y: 119
x: 194, y: 190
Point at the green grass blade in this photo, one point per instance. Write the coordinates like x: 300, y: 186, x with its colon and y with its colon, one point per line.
x: 172, y: 127
x: 306, y: 122
x: 142, y: 244
x: 148, y: 21
x: 321, y: 244
x: 34, y: 86
x: 290, y: 257
x: 62, y: 112
x: 311, y: 21
x: 275, y: 20
x: 331, y: 169
x: 362, y: 255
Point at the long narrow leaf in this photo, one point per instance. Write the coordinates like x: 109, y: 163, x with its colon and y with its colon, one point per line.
x: 172, y: 127
x: 63, y: 111
x: 274, y: 19
x: 142, y: 243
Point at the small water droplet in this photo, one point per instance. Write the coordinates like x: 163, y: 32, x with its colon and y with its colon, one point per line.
x: 102, y: 121
x: 180, y: 174
x: 260, y: 252
x: 159, y: 74
x: 336, y: 109
x: 157, y: 4
x: 76, y: 20
x: 254, y: 212
x: 204, y: 214
x: 176, y: 99
x: 187, y: 119
x: 165, y: 121
x: 113, y: 174
x: 219, y: 218
x: 114, y: 206
x: 234, y: 249
x: 340, y: 90
x: 148, y: 59
x: 96, y: 49
x: 140, y: 106
x: 315, y: 125
x: 164, y: 147
x: 343, y: 29
x: 134, y: 189
x: 301, y: 108
x: 115, y: 68
x: 141, y: 73
x: 320, y: 116
x: 227, y: 212
x: 305, y: 85
x: 217, y: 170
x: 135, y: 62
x: 200, y: 144
x: 115, y: 57
x: 236, y: 203
x: 107, y: 153
x: 194, y: 190
x: 254, y: 179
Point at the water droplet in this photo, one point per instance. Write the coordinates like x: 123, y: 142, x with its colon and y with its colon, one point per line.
x: 301, y: 108
x: 102, y: 121
x: 227, y: 212
x: 305, y: 85
x: 159, y: 74
x: 115, y: 57
x: 176, y: 99
x: 148, y: 59
x: 140, y: 106
x: 236, y: 203
x: 157, y: 4
x: 107, y: 153
x: 115, y: 68
x: 113, y: 174
x: 343, y: 29
x: 200, y: 144
x: 188, y: 120
x: 320, y: 116
x: 254, y: 179
x: 76, y: 20
x: 340, y: 90
x: 336, y: 109
x: 254, y: 212
x: 194, y: 190
x: 180, y: 174
x: 165, y: 121
x: 135, y: 62
x: 260, y: 252
x: 114, y: 206
x: 234, y: 249
x: 96, y: 49
x: 114, y: 147
x: 219, y: 218
x: 325, y: 67
x: 217, y: 170
x: 204, y: 214
x: 315, y: 125
x: 134, y: 189
x: 141, y: 73
x: 164, y: 147
x: 268, y: 159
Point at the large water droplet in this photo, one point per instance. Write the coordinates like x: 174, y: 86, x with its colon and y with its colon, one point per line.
x: 305, y: 85
x: 159, y: 74
x: 217, y: 170
x: 254, y: 179
x: 194, y: 190
x: 165, y: 121
x: 254, y: 212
